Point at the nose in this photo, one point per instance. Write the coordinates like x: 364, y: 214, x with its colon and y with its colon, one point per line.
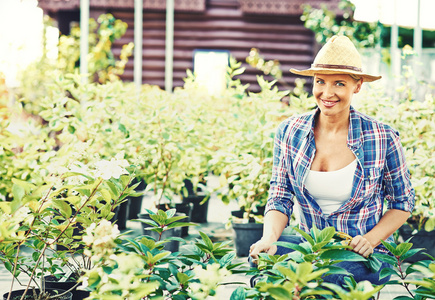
x: 328, y: 91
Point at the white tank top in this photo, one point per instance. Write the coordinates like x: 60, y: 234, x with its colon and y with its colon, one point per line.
x: 331, y: 189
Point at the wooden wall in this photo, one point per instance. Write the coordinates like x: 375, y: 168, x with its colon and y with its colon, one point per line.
x: 272, y: 26
x: 221, y: 26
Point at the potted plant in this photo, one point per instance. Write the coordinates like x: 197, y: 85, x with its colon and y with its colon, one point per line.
x: 42, y: 217
x: 141, y: 268
x: 245, y: 161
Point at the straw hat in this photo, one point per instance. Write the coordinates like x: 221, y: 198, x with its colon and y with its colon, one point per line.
x: 337, y: 56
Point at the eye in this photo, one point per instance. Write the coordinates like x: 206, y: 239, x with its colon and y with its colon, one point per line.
x: 320, y: 81
x: 340, y: 84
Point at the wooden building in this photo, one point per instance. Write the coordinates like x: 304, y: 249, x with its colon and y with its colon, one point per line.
x: 272, y: 26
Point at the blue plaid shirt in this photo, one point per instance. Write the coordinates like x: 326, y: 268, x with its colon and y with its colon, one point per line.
x: 381, y: 173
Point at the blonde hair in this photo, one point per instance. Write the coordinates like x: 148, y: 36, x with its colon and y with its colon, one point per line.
x: 355, y: 77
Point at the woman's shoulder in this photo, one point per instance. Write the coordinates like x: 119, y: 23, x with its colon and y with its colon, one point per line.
x: 371, y: 124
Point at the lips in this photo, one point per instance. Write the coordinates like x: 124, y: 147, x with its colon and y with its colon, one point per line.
x: 329, y: 103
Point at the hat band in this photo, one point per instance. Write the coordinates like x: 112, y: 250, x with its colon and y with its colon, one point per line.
x: 336, y: 67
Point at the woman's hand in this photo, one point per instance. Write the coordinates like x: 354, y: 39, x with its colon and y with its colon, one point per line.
x: 261, y: 246
x: 361, y: 245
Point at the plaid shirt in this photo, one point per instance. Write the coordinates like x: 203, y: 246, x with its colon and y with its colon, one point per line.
x: 381, y: 173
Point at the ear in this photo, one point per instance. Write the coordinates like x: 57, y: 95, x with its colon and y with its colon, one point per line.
x: 358, y: 86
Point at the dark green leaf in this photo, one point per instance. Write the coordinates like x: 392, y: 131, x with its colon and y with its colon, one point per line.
x: 295, y: 247
x: 206, y: 240
x: 343, y: 255
x: 386, y: 258
x: 238, y: 294
x: 387, y: 272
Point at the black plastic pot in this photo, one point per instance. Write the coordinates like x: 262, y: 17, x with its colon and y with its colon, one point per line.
x: 185, y: 208
x: 16, y: 295
x: 122, y: 215
x: 51, y: 282
x: 199, y: 211
x: 135, y: 203
x: 421, y: 239
x: 244, y: 235
x: 172, y: 246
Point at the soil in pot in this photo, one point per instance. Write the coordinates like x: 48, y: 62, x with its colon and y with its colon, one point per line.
x: 52, y: 282
x: 199, y: 211
x: 16, y: 295
x: 244, y: 235
x: 172, y: 246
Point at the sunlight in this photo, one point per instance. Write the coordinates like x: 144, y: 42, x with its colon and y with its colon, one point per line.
x: 21, y: 29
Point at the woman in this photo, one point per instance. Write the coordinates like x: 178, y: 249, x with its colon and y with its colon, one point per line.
x: 338, y: 165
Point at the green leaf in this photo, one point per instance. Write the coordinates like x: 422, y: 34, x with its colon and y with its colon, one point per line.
x: 326, y: 234
x: 279, y: 293
x: 115, y: 191
x: 18, y: 192
x: 320, y: 245
x: 148, y: 222
x: 305, y: 235
x: 227, y: 259
x: 295, y: 247
x: 386, y: 258
x: 174, y: 219
x: 106, y: 195
x: 390, y: 247
x: 342, y: 255
x: 238, y: 294
x: 35, y: 256
x: 402, y: 248
x: 63, y: 207
x: 206, y: 240
x: 411, y: 253
x: 387, y: 272
x: 26, y: 186
x: 373, y: 264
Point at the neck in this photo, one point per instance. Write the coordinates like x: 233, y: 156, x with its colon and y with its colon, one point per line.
x: 334, y: 123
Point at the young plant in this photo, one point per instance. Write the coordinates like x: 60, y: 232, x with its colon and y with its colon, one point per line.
x: 44, y: 217
x: 300, y: 274
x: 194, y: 272
x: 409, y: 276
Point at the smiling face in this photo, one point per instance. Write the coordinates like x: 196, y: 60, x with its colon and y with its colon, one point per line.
x: 333, y: 93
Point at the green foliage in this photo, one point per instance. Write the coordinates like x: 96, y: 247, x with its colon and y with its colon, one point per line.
x: 300, y: 274
x: 412, y: 119
x: 103, y: 65
x: 44, y: 217
x: 325, y: 24
x: 193, y: 273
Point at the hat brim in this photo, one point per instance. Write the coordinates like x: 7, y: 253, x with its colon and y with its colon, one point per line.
x: 313, y: 71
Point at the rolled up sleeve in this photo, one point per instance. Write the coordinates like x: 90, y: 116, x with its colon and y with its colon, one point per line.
x: 398, y: 189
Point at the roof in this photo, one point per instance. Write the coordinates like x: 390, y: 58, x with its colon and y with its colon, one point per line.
x: 181, y: 5
x: 258, y: 7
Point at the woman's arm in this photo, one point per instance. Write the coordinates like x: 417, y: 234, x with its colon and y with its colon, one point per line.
x: 388, y: 224
x: 274, y: 224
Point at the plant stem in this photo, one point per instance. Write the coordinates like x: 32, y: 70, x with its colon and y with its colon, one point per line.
x: 15, y: 269
x: 34, y: 270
